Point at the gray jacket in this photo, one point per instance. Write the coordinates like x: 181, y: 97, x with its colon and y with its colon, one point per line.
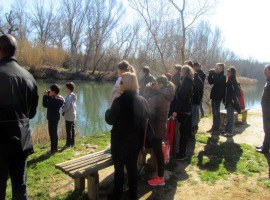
x: 69, y: 108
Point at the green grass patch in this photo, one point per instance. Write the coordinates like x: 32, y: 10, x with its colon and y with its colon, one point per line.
x: 42, y: 177
x: 218, y: 160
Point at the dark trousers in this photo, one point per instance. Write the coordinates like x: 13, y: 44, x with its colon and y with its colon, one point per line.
x: 53, y: 125
x: 156, y: 144
x: 201, y: 109
x: 130, y: 161
x: 70, y: 133
x: 216, y: 114
x: 266, y: 127
x: 185, y: 132
x: 15, y: 168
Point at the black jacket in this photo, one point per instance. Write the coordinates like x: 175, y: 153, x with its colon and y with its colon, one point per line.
x: 219, y: 85
x: 232, y: 92
x: 197, y: 90
x: 202, y: 75
x: 18, y: 104
x: 128, y: 115
x: 265, y: 102
x: 183, y: 97
x: 176, y: 79
x: 53, y: 105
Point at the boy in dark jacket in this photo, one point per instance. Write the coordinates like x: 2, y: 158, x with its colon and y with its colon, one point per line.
x: 265, y: 102
x: 202, y: 75
x: 217, y: 78
x: 53, y: 102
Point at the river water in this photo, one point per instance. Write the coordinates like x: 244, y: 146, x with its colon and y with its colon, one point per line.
x: 93, y: 101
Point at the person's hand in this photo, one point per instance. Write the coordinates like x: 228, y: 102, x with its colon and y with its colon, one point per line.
x: 174, y: 114
x: 45, y: 92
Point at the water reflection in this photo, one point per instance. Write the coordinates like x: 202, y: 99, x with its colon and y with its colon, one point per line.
x: 93, y: 100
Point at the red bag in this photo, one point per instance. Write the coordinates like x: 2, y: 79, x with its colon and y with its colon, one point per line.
x: 241, y: 100
x: 170, y: 134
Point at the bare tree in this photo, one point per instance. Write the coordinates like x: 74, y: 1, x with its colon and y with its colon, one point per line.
x: 43, y: 20
x: 153, y: 19
x: 103, y: 19
x: 74, y: 14
x: 190, y: 12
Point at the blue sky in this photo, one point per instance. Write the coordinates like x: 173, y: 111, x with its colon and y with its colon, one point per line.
x: 244, y: 25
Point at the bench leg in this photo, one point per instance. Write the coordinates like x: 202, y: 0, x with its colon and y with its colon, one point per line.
x: 79, y: 184
x: 244, y: 117
x: 93, y: 186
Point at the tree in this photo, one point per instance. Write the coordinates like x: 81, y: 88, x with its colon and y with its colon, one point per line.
x: 43, y: 21
x: 190, y: 12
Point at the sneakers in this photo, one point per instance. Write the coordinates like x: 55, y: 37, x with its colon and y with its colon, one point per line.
x: 157, y: 181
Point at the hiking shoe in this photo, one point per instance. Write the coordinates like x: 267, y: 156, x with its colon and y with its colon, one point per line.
x: 259, y: 147
x: 158, y: 181
x: 262, y: 151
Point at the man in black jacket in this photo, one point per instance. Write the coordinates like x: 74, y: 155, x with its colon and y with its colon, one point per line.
x: 53, y: 102
x: 18, y: 103
x: 147, y: 78
x: 266, y: 113
x: 217, y: 78
x: 202, y: 75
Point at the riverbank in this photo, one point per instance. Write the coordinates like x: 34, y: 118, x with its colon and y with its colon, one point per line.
x: 220, y: 168
x: 52, y: 73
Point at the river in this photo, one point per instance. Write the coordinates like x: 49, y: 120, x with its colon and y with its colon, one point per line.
x: 93, y: 101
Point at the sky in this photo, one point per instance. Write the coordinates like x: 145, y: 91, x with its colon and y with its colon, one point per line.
x: 244, y: 25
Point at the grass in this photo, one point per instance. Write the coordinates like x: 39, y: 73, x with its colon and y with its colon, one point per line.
x: 219, y: 160
x: 43, y: 178
x: 212, y: 161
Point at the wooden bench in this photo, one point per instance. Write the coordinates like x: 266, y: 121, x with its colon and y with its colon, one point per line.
x: 223, y: 116
x: 87, y: 167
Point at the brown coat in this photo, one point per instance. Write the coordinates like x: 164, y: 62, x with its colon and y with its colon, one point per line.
x: 159, y: 105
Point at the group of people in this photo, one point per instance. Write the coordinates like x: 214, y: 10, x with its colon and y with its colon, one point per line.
x: 138, y: 114
x: 140, y: 109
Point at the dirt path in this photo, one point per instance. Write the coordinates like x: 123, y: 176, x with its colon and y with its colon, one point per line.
x: 251, y: 134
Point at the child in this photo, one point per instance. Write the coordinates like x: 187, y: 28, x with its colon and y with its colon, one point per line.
x: 69, y: 113
x: 53, y: 102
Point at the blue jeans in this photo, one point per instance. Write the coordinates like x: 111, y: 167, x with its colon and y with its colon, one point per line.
x: 216, y: 114
x: 230, y: 119
x: 195, y: 112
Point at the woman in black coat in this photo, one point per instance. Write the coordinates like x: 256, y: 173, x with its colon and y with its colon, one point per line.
x: 128, y: 115
x: 231, y: 95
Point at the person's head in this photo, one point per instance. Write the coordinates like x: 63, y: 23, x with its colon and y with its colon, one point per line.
x: 231, y: 72
x: 196, y: 66
x: 70, y: 87
x: 129, y: 82
x: 187, y: 71
x: 8, y: 46
x: 220, y: 68
x: 162, y: 82
x: 54, y: 90
x: 123, y: 67
x: 267, y: 71
x: 146, y: 70
x: 189, y: 63
x: 169, y: 76
x: 176, y: 69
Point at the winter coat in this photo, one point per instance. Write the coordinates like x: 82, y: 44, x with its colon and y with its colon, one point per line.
x: 265, y: 102
x: 147, y: 78
x: 69, y: 109
x: 197, y: 90
x: 18, y: 104
x: 127, y: 115
x: 232, y: 92
x: 53, y: 105
x: 159, y: 103
x: 202, y: 75
x: 183, y: 97
x: 219, y: 85
x: 176, y: 79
